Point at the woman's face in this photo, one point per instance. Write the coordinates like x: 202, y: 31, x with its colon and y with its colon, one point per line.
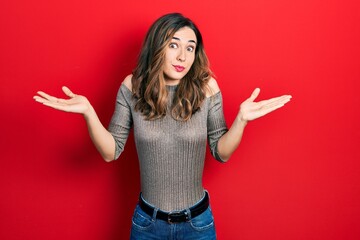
x: 179, y: 55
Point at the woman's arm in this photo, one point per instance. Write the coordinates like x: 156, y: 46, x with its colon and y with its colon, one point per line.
x: 249, y: 110
x: 101, y: 137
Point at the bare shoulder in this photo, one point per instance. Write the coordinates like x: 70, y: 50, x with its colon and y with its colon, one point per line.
x: 213, y: 87
x: 127, y: 82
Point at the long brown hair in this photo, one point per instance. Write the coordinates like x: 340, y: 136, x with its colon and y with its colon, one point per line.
x: 148, y: 81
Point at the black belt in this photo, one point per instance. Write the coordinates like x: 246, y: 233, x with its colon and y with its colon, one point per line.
x: 176, y: 216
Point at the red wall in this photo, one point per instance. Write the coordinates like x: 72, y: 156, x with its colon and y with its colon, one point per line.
x: 296, y: 174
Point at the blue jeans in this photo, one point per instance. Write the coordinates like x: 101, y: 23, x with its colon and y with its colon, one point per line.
x: 145, y: 227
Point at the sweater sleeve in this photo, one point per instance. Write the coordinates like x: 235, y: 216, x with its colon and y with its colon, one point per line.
x: 216, y: 124
x: 121, y: 121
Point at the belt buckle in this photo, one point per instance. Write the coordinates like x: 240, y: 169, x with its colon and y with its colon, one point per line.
x: 177, y: 214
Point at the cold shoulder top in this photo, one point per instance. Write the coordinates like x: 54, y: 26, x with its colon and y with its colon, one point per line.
x: 171, y: 153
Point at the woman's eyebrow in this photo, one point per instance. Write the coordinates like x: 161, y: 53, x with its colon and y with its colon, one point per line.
x: 193, y: 41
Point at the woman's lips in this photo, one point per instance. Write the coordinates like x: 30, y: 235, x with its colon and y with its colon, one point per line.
x: 179, y: 68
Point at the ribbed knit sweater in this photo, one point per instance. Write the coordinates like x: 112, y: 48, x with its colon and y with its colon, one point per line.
x: 171, y: 153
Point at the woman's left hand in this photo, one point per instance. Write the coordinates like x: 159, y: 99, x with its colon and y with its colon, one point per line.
x: 250, y: 110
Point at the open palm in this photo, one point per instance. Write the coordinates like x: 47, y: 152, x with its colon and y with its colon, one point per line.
x: 250, y: 110
x: 75, y: 103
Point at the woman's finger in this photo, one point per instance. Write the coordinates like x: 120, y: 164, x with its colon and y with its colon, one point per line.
x: 272, y: 108
x: 47, y: 96
x: 274, y: 100
x: 68, y: 92
x: 57, y: 106
x: 40, y: 99
x: 274, y: 105
x: 254, y: 94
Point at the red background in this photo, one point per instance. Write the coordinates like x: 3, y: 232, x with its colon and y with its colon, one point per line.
x: 296, y: 174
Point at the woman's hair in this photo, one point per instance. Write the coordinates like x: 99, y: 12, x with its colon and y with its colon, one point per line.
x: 148, y: 81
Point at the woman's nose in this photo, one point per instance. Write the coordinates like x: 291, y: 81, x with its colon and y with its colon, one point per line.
x: 181, y: 55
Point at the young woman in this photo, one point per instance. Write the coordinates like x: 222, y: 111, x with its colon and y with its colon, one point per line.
x: 175, y: 106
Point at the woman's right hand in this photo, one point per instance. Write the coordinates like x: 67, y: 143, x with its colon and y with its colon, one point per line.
x: 75, y: 103
x: 102, y: 138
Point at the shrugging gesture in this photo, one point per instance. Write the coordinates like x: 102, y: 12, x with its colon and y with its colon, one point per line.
x: 249, y: 110
x: 102, y: 139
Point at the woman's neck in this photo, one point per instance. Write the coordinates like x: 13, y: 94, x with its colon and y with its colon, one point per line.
x: 172, y: 82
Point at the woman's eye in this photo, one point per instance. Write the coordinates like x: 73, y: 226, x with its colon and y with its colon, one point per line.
x: 190, y: 49
x: 173, y: 45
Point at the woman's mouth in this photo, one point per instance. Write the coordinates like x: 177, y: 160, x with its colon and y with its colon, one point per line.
x: 179, y: 68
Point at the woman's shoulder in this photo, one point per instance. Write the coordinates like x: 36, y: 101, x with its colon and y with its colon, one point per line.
x: 127, y: 82
x: 212, y: 87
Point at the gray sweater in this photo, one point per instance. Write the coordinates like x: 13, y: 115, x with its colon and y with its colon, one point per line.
x: 171, y: 153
